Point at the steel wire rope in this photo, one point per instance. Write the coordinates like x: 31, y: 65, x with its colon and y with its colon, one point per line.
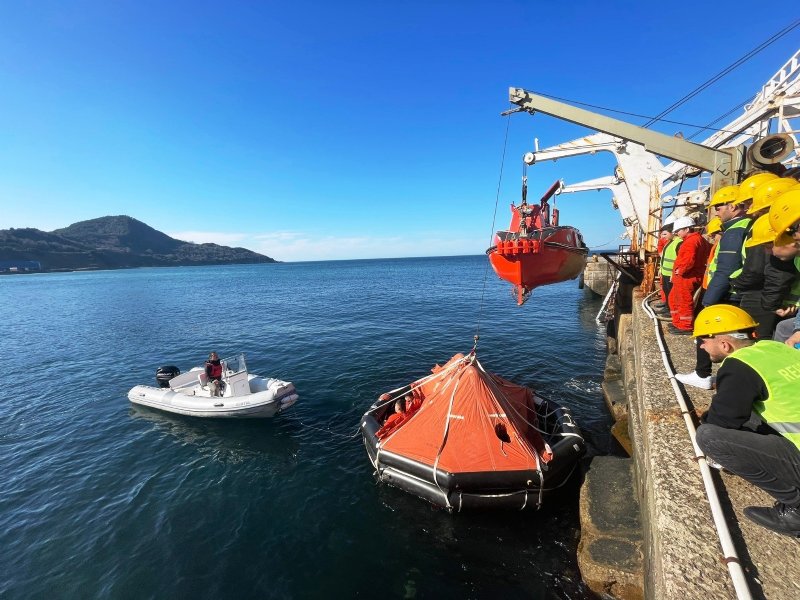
x: 491, y: 233
x: 731, y: 558
x: 719, y: 118
x: 775, y: 37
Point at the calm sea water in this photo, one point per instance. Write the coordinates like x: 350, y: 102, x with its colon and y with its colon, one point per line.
x: 100, y: 499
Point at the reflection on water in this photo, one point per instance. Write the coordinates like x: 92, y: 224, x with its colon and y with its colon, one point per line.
x: 104, y: 499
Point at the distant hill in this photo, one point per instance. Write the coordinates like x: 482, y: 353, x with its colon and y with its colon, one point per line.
x: 114, y: 243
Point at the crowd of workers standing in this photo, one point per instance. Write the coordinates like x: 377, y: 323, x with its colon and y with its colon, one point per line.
x: 736, y: 289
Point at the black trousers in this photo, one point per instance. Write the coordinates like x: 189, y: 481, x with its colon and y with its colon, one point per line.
x: 766, y: 319
x: 769, y: 462
x: 702, y: 365
x: 666, y: 285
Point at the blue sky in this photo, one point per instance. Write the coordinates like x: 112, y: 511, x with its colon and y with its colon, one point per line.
x: 332, y: 130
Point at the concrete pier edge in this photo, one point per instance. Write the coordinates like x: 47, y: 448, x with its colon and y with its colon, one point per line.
x: 682, y: 557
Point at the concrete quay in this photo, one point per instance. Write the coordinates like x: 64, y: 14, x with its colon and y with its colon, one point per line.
x: 598, y: 276
x: 681, y: 556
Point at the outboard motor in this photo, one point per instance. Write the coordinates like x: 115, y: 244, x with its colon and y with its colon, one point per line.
x: 164, y: 374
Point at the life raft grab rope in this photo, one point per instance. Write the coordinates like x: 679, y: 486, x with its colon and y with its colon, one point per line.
x: 398, y: 393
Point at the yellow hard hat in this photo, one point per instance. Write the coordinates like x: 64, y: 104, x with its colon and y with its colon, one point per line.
x: 724, y: 195
x: 714, y: 226
x: 722, y: 318
x: 749, y: 185
x: 783, y: 239
x: 785, y: 210
x: 766, y: 193
x: 762, y: 232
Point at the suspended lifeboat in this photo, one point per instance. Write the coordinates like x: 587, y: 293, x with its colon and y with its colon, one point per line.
x: 464, y: 438
x: 535, y: 250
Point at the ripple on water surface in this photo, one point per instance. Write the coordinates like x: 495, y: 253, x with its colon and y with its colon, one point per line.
x: 103, y: 499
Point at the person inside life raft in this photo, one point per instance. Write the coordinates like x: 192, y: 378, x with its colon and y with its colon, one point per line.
x: 404, y: 409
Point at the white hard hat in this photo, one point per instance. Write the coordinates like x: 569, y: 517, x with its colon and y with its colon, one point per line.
x: 682, y: 223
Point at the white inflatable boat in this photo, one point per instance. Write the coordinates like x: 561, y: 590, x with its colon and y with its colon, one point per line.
x: 244, y: 395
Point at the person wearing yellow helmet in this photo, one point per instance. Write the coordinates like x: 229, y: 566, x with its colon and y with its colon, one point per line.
x: 725, y: 265
x: 729, y: 255
x: 766, y: 193
x: 784, y: 217
x: 752, y: 427
x: 724, y: 195
x: 764, y: 280
x: 746, y: 191
x: 713, y: 235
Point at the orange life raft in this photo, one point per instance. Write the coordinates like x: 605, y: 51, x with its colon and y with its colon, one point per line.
x: 535, y: 250
x: 472, y: 440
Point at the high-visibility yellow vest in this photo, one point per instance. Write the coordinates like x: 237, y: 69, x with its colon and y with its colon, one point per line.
x: 779, y: 366
x: 669, y: 255
x: 712, y: 265
x: 741, y: 224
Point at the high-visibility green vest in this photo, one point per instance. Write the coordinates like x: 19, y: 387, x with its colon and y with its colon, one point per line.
x: 793, y: 299
x: 712, y: 264
x: 669, y: 255
x: 740, y: 224
x: 779, y: 366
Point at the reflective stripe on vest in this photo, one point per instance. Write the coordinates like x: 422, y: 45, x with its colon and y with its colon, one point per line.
x: 779, y: 366
x: 669, y: 256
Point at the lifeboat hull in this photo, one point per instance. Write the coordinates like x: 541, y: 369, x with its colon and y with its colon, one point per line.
x: 554, y: 256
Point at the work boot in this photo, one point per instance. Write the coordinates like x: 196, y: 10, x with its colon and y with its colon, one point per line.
x: 781, y: 518
x: 664, y: 316
x: 658, y: 304
x: 694, y: 380
x: 677, y: 330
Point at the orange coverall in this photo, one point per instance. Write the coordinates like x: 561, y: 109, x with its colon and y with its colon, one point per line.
x: 687, y: 275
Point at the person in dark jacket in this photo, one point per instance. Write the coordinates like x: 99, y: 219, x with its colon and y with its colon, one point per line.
x: 735, y: 226
x: 726, y: 265
x: 748, y: 287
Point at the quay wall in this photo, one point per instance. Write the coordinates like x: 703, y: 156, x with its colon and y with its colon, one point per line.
x: 682, y: 558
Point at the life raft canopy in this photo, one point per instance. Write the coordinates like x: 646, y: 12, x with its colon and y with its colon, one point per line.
x: 472, y: 439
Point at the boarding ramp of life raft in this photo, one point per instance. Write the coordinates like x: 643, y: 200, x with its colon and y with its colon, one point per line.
x: 682, y: 554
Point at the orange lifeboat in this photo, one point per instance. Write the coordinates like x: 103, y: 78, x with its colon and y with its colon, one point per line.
x: 535, y: 250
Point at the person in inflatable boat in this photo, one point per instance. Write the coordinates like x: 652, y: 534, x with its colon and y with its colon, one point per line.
x: 214, y: 374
